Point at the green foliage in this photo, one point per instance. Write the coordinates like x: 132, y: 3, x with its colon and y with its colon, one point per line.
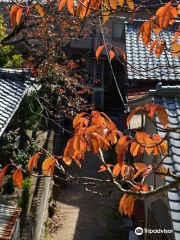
x: 29, y: 114
x: 4, y: 199
x: 9, y: 149
x: 24, y: 199
x: 24, y: 155
x: 7, y: 59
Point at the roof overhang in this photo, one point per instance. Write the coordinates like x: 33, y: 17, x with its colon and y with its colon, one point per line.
x: 13, y: 87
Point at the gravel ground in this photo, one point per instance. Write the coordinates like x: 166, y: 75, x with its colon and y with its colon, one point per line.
x: 84, y: 215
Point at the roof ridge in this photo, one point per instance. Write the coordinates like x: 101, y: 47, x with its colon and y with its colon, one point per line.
x: 15, y: 75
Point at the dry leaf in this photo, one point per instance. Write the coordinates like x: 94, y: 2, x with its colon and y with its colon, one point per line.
x: 116, y: 170
x: 17, y: 178
x: 40, y: 10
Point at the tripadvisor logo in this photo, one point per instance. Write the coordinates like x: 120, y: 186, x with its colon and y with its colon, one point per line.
x: 139, y: 231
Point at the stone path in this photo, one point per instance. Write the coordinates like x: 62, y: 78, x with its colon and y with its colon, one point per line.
x: 86, y: 215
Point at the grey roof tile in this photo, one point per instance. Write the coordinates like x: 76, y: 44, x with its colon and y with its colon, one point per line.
x: 138, y: 56
x: 13, y: 86
x: 172, y: 105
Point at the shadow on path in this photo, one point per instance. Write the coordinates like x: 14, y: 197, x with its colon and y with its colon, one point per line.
x: 86, y: 214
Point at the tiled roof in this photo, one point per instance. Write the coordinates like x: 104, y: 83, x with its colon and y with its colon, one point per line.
x: 169, y: 98
x: 139, y: 60
x: 9, y: 217
x: 13, y: 86
x: 172, y: 106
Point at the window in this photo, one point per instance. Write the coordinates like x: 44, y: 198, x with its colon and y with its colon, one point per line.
x: 117, y: 30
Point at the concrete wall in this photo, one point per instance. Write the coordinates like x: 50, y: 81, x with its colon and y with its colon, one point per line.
x: 42, y: 212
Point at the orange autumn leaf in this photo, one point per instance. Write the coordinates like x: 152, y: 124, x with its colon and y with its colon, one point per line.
x: 61, y: 4
x: 139, y: 165
x: 14, y: 8
x: 155, y: 25
x: 79, y: 143
x: 112, y: 138
x: 120, y: 149
x: 157, y: 138
x: 173, y: 15
x: 111, y: 54
x: 98, y: 119
x: 76, y: 120
x: 94, y: 143
x: 46, y: 165
x: 129, y: 206
x: 113, y: 4
x: 104, y: 168
x: 145, y: 31
x: 144, y: 187
x: 123, y: 170
x: 159, y: 49
x: 97, y: 4
x: 106, y: 116
x: 83, y: 124
x: 132, y: 113
x: 116, y: 170
x: 121, y: 2
x: 70, y: 5
x: 160, y: 112
x: 130, y: 4
x: 17, y: 178
x: 162, y: 115
x: 164, y: 15
x: 122, y: 202
x: 69, y: 150
x: 139, y: 172
x: 150, y: 109
x: 176, y: 49
x: 33, y: 162
x: 40, y: 10
x: 163, y: 148
x: 105, y: 9
x: 112, y: 126
x: 67, y: 160
x: 153, y: 44
x: 178, y: 9
x: 83, y: 10
x: 18, y: 15
x: 135, y: 149
x: 2, y: 173
x: 52, y: 166
x: 13, y: 14
x: 98, y: 51
x: 162, y: 169
x: 144, y: 140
